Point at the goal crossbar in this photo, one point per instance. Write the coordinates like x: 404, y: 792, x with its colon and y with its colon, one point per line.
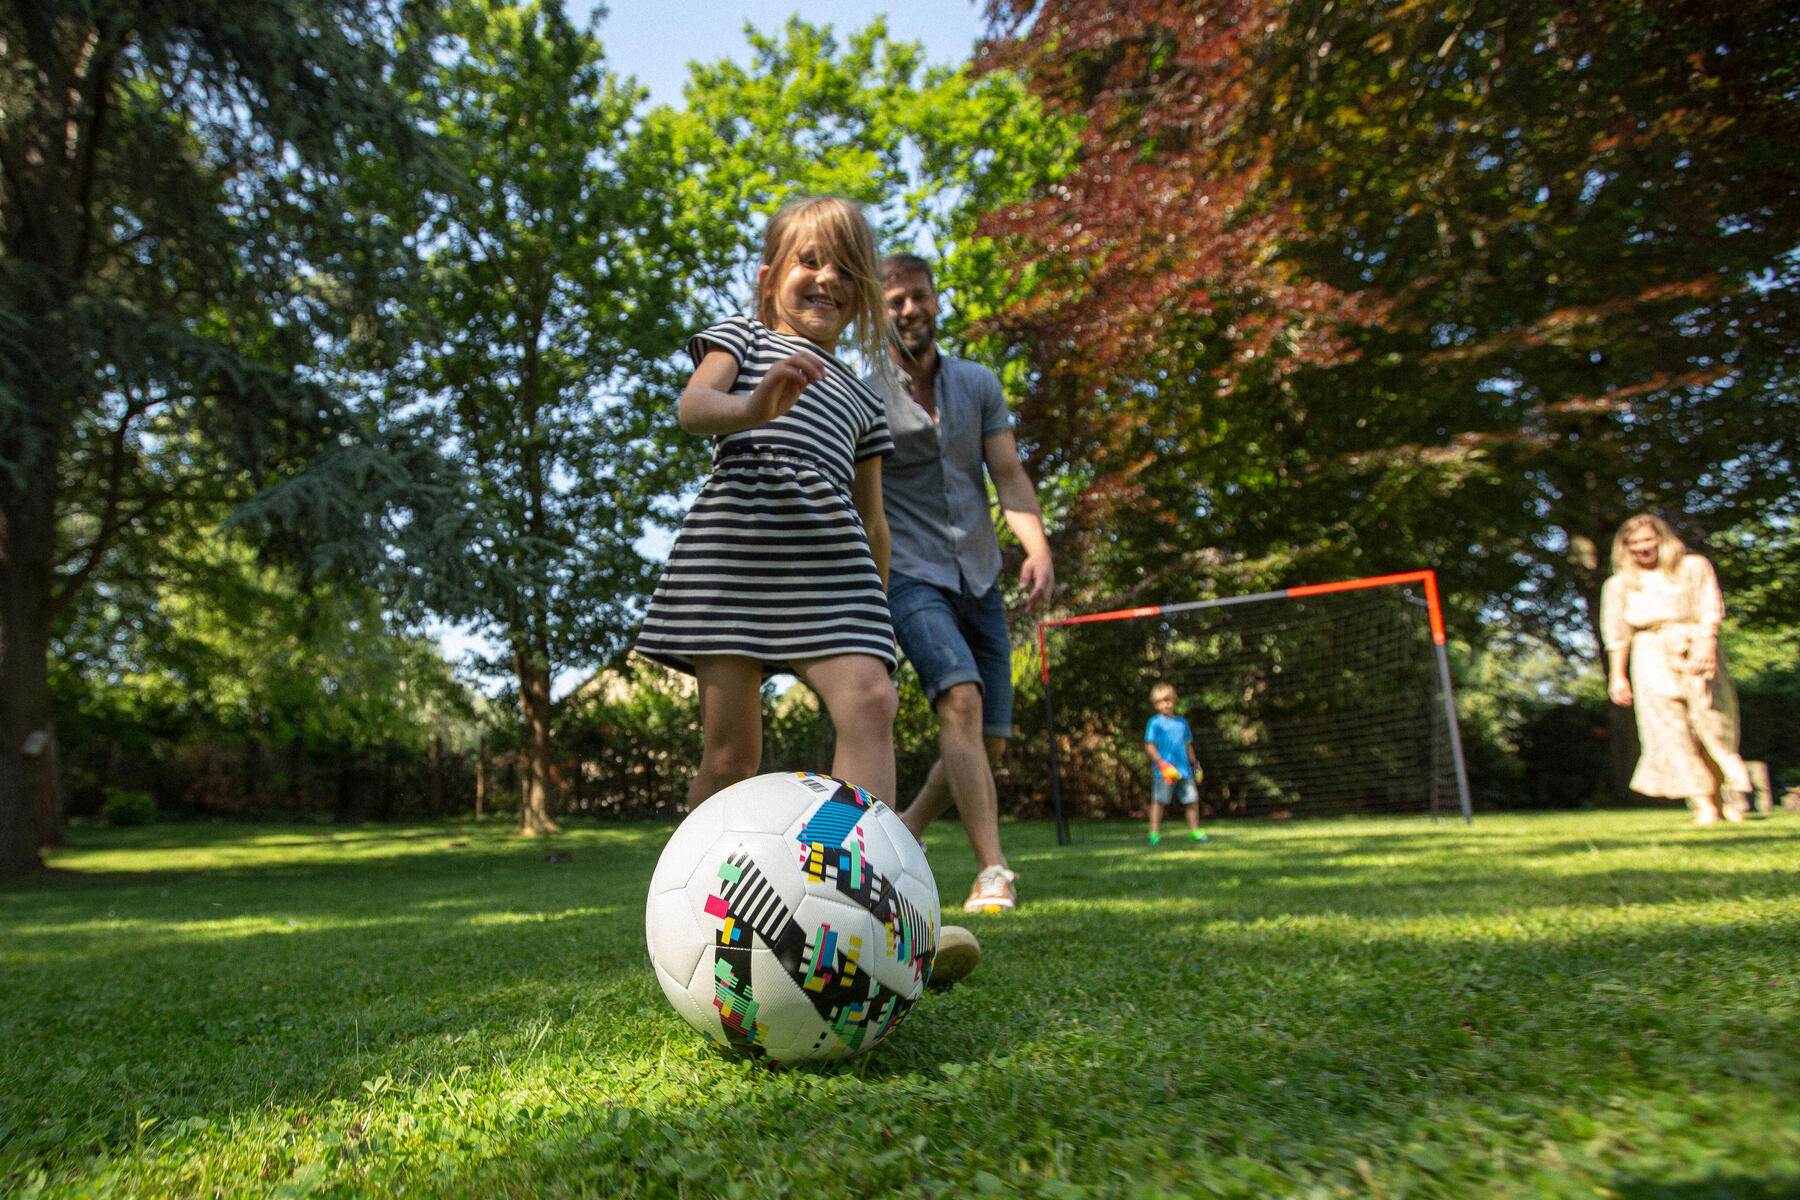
x: 1427, y: 579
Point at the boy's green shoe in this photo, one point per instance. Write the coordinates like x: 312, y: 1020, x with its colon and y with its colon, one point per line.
x: 1155, y: 838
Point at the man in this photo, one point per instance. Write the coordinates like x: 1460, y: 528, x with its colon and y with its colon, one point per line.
x: 949, y: 421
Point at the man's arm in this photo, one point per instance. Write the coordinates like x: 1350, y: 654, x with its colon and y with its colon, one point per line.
x: 1019, y: 502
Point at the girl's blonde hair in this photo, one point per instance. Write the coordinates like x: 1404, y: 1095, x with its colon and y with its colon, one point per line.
x: 1669, y: 550
x: 841, y: 232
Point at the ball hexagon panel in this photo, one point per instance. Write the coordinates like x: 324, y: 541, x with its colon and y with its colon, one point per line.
x: 684, y: 848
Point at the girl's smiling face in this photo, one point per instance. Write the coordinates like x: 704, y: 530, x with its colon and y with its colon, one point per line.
x: 813, y: 298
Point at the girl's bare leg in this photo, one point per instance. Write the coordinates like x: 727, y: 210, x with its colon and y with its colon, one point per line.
x: 862, y: 702
x: 730, y: 723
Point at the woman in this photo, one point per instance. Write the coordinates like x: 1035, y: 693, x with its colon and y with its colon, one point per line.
x: 1659, y: 615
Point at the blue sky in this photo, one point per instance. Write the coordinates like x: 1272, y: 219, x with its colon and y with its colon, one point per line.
x: 654, y: 40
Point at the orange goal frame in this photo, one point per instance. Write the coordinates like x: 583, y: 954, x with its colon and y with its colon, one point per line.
x: 1434, y: 613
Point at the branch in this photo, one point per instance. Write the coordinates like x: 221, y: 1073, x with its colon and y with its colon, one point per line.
x: 112, y: 512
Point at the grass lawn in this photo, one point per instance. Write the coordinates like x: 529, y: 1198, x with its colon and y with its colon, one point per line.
x: 1595, y: 1004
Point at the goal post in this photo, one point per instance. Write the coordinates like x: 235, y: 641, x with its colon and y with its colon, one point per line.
x: 1321, y: 698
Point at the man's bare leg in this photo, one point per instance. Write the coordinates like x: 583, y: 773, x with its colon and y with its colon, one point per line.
x: 963, y: 775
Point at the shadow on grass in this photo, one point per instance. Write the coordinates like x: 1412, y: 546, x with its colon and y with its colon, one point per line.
x: 221, y: 852
x: 1721, y: 1187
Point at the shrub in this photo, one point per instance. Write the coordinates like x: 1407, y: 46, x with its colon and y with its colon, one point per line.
x: 124, y: 807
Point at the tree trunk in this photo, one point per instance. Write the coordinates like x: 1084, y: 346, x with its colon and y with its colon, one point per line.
x: 48, y: 790
x: 27, y: 529
x: 481, y: 770
x: 534, y: 698
x: 434, y: 758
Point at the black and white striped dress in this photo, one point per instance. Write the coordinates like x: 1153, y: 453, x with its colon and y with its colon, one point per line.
x: 772, y: 561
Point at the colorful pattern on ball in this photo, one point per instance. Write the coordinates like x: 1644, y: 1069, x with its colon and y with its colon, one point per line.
x: 850, y: 924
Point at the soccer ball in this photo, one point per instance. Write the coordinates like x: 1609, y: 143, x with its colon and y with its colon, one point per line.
x: 793, y: 917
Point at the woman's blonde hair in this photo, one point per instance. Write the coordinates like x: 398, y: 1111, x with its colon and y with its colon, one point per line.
x: 1669, y: 550
x: 842, y: 234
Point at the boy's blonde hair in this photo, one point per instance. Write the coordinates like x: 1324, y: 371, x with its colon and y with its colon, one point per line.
x: 1162, y: 691
x: 842, y: 233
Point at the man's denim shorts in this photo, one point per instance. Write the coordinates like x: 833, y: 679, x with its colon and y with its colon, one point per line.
x: 951, y: 637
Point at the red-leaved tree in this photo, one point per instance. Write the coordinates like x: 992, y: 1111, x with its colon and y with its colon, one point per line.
x: 1344, y: 288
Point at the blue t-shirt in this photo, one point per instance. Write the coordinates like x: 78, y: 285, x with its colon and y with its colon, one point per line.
x: 1170, y: 736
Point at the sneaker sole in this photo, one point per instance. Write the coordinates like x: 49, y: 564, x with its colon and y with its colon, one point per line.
x: 958, y: 954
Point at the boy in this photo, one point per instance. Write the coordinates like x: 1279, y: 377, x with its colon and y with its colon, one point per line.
x: 1176, y: 768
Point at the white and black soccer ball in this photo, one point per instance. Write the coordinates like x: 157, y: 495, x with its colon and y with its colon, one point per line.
x: 793, y: 917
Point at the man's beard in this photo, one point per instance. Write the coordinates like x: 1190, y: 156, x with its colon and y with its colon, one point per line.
x: 916, y: 339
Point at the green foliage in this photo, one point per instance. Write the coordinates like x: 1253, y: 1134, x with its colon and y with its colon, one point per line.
x: 860, y: 116
x: 1532, y: 1006
x: 636, y: 734
x: 123, y: 807
x: 1765, y: 665
x: 175, y: 240
x: 1755, y: 560
x: 539, y: 360
x: 810, y: 115
x: 1534, y: 722
x: 172, y: 671
x: 1337, y: 290
x: 205, y: 251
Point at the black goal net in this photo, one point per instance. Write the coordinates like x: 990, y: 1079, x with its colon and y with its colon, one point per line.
x: 1315, y: 701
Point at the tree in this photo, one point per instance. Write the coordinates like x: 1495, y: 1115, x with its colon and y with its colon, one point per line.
x: 1150, y: 301
x: 1585, y: 218
x: 925, y: 149
x: 199, y: 645
x: 1483, y: 279
x: 559, y: 275
x: 174, y: 238
x: 810, y: 115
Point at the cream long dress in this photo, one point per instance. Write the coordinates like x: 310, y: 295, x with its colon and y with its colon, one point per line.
x: 1687, y: 724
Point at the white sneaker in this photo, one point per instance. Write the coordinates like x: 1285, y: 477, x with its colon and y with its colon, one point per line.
x: 958, y: 953
x: 993, y: 891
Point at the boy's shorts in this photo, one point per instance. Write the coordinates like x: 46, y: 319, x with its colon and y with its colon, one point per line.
x: 951, y: 637
x: 1183, y: 791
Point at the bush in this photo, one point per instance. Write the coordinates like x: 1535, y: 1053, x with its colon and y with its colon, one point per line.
x: 128, y: 808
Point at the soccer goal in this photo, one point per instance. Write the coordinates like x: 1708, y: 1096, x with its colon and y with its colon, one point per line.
x: 1327, y: 699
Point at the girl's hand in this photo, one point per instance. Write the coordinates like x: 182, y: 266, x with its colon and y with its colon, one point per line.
x: 1619, y: 691
x: 709, y: 407
x: 780, y: 389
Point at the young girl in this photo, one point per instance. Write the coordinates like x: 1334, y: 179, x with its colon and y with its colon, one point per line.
x: 782, y: 562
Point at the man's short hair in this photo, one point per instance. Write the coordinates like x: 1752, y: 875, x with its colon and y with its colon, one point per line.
x: 906, y: 264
